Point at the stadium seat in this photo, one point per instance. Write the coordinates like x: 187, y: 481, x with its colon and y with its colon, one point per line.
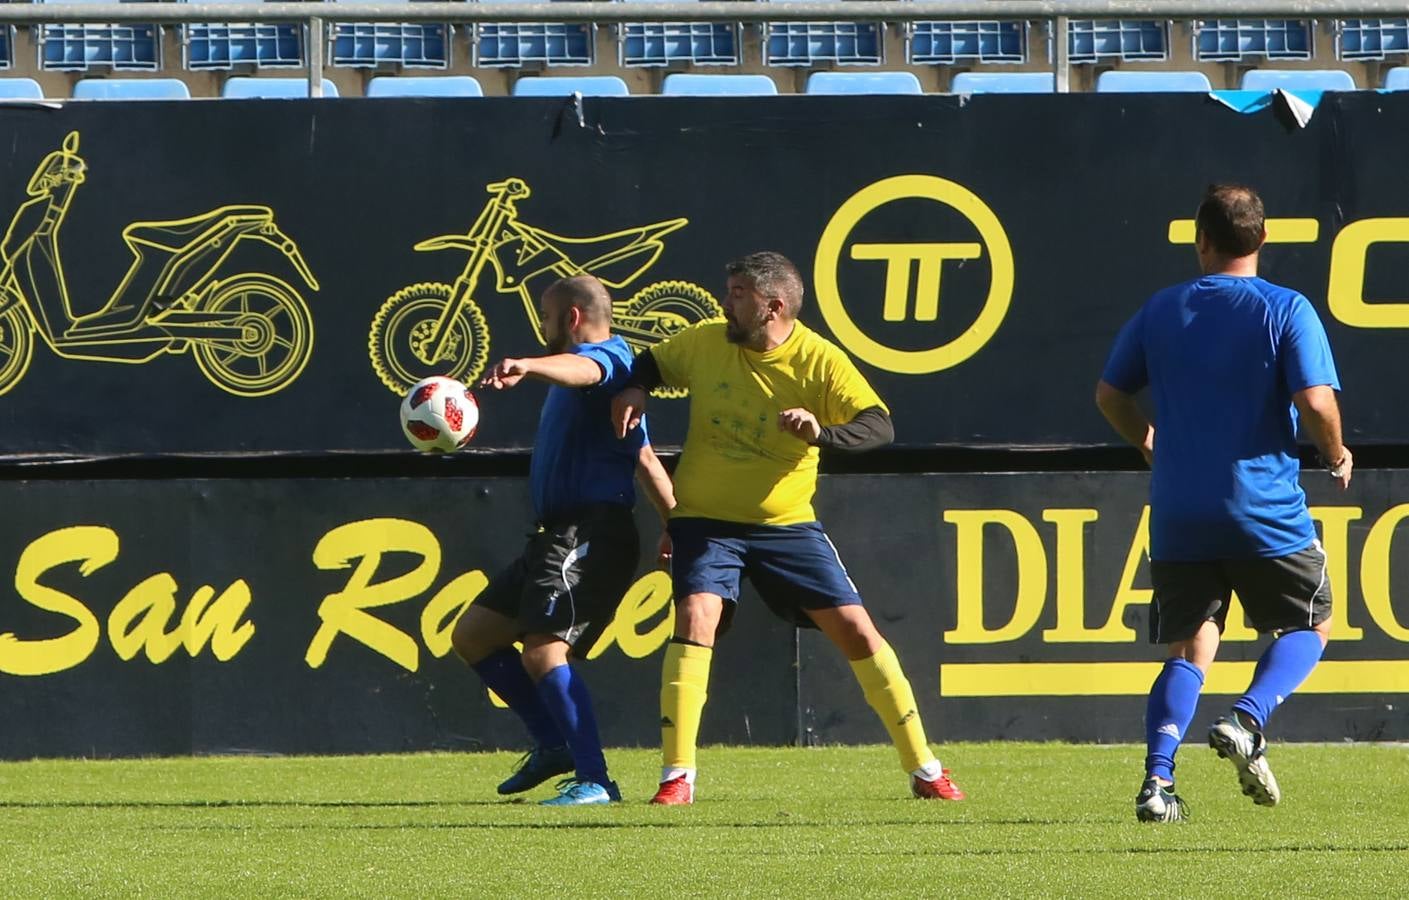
x: 130, y: 89
x: 1397, y: 79
x: 245, y: 88
x: 685, y: 84
x: 563, y: 85
x: 1297, y: 80
x: 951, y: 43
x: 1002, y: 83
x: 20, y: 89
x: 424, y: 86
x: 1123, y: 81
x: 863, y: 83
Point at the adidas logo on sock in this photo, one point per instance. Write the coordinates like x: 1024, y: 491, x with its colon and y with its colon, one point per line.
x: 1170, y: 729
x: 666, y: 723
x: 907, y: 717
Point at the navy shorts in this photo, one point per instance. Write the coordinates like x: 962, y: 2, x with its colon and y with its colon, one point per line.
x: 794, y: 567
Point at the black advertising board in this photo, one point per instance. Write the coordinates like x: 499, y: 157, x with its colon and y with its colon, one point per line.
x: 262, y: 277
x: 313, y: 615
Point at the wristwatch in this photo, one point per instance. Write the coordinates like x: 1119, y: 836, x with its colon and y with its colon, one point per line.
x: 1337, y: 468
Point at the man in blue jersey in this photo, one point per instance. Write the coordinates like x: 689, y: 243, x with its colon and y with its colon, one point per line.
x: 566, y: 585
x: 1230, y: 360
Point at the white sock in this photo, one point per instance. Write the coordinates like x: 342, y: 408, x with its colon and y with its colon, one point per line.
x: 930, y: 771
x: 674, y: 773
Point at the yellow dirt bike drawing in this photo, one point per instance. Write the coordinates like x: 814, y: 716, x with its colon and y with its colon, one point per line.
x: 439, y: 329
x: 250, y: 333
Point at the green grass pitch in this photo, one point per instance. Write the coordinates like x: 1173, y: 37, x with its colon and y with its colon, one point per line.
x: 1041, y: 820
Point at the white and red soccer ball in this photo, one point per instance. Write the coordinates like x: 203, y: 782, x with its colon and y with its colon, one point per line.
x: 439, y: 415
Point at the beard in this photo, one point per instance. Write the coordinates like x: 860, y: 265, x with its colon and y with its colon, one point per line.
x: 736, y: 332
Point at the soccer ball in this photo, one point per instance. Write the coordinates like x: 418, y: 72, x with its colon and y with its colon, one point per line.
x: 439, y: 415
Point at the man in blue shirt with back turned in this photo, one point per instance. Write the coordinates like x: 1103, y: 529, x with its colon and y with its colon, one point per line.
x: 566, y: 585
x: 1230, y: 360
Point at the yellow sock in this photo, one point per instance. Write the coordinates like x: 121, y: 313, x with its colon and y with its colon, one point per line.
x: 684, y: 683
x: 888, y: 692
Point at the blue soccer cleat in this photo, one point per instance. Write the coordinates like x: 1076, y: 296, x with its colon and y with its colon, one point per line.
x: 536, y: 767
x: 574, y: 792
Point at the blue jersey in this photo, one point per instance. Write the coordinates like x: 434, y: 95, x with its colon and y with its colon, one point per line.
x: 1222, y: 356
x: 577, y: 459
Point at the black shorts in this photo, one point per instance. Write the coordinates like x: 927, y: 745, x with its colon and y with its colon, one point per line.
x: 1283, y: 593
x: 572, y: 574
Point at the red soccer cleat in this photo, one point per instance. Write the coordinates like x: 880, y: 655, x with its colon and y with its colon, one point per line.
x: 939, y: 789
x: 675, y: 792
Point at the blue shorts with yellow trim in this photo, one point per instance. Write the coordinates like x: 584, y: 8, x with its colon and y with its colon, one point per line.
x: 794, y: 568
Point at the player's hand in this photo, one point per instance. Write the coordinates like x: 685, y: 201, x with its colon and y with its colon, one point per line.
x: 800, y: 423
x: 627, y: 409
x: 1341, y: 474
x: 506, y: 374
x: 665, y: 549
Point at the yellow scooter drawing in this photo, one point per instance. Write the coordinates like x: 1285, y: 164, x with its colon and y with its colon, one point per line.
x: 439, y: 329
x: 251, y: 333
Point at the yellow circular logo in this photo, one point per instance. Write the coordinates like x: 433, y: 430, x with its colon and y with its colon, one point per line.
x: 899, y: 259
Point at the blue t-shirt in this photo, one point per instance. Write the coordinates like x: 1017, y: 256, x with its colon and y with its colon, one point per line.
x: 577, y: 459
x: 1222, y: 356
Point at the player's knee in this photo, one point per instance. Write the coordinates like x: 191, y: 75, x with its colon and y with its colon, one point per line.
x: 697, y: 617
x: 469, y: 644
x: 542, y: 654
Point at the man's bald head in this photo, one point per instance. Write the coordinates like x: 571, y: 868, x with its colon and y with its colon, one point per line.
x: 585, y: 293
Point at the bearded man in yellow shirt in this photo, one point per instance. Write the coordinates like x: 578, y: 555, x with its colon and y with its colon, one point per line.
x: 766, y: 393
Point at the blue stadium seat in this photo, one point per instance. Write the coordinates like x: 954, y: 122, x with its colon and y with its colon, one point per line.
x: 1234, y: 39
x: 815, y: 43
x: 686, y: 84
x: 863, y: 83
x: 1125, y: 81
x: 563, y: 85
x: 20, y: 89
x: 80, y: 47
x: 1297, y: 80
x: 659, y: 44
x: 1002, y: 83
x: 947, y: 43
x: 1373, y: 38
x: 513, y: 45
x: 131, y: 89
x: 366, y: 45
x: 1097, y: 40
x: 1397, y: 79
x: 424, y: 86
x: 244, y: 88
x: 224, y: 45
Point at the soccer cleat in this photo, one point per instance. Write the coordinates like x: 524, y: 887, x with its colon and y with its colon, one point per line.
x: 675, y: 792
x: 575, y: 792
x: 940, y: 788
x: 537, y: 766
x: 1157, y: 803
x: 1248, y: 752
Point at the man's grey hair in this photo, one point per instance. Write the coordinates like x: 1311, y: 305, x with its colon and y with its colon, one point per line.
x: 773, y: 275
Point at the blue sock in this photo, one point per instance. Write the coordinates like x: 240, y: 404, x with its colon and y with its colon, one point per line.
x: 1282, y: 668
x: 503, y: 673
x: 564, y: 694
x: 1173, y: 698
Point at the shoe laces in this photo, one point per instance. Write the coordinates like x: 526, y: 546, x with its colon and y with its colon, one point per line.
x: 675, y: 787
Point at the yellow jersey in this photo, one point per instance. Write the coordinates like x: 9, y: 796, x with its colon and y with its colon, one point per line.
x: 737, y: 464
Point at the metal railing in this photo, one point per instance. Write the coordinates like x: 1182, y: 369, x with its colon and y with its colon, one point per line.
x: 316, y: 15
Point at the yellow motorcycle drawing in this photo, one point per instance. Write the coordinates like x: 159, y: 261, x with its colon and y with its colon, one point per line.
x: 438, y: 329
x: 251, y: 333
